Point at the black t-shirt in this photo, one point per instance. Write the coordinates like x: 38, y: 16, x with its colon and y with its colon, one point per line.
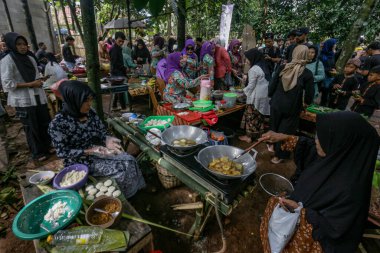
x: 272, y: 52
x: 371, y: 62
x: 348, y: 84
x: 117, y: 63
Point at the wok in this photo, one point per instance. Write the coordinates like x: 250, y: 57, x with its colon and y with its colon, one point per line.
x: 116, y: 79
x: 184, y: 132
x: 206, y: 155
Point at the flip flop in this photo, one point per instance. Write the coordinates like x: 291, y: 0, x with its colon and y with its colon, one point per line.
x: 276, y: 160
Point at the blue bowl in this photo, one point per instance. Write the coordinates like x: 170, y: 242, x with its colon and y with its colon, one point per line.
x: 62, y: 173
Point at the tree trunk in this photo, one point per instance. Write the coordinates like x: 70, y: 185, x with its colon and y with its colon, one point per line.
x: 10, y: 24
x: 58, y: 26
x: 47, y: 11
x: 92, y: 58
x: 72, y: 22
x: 169, y: 25
x: 65, y: 16
x: 181, y: 25
x: 29, y: 24
x: 352, y: 39
x: 74, y: 15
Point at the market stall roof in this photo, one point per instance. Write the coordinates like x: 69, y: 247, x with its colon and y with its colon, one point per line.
x: 123, y: 23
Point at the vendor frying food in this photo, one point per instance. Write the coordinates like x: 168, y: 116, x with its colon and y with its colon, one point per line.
x: 177, y: 83
x: 79, y: 136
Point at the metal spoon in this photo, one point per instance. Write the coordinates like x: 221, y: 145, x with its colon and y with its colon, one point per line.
x: 114, y: 215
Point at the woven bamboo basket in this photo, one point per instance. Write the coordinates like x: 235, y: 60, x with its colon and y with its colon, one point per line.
x: 138, y: 91
x: 167, y: 179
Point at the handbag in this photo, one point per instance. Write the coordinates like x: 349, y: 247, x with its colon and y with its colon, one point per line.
x: 281, y: 227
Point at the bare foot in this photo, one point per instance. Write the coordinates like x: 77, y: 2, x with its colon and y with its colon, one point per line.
x: 276, y: 160
x: 245, y: 138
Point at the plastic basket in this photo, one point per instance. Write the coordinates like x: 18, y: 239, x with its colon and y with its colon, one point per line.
x: 170, y: 119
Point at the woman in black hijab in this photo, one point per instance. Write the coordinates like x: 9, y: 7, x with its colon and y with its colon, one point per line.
x: 79, y: 136
x: 141, y: 54
x: 21, y: 80
x: 257, y: 96
x: 334, y: 183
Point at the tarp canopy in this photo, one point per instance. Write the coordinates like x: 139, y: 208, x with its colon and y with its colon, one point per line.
x: 122, y: 23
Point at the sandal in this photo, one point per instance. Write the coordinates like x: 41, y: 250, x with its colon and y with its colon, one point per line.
x: 245, y: 139
x: 276, y: 160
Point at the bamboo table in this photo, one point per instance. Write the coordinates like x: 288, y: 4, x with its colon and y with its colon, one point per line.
x: 140, y: 234
x: 210, y: 196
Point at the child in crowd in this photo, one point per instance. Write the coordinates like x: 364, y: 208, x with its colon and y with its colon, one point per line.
x: 343, y: 85
x: 369, y: 100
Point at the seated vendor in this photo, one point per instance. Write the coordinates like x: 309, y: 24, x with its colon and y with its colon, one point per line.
x: 79, y: 136
x: 333, y: 184
x: 177, y: 83
x: 369, y: 100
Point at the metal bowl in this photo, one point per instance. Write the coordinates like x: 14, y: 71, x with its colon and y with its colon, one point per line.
x: 206, y: 155
x: 100, y: 202
x: 184, y: 132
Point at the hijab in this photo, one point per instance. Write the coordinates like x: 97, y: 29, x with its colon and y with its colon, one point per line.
x: 335, y: 189
x: 207, y: 48
x: 289, y: 75
x: 189, y: 42
x: 231, y: 46
x: 256, y: 57
x: 161, y: 68
x: 51, y: 58
x: 74, y: 94
x: 172, y: 64
x: 23, y: 62
x: 141, y: 53
x: 327, y: 50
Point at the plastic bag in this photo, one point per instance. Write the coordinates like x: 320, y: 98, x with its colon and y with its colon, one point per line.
x: 282, y: 226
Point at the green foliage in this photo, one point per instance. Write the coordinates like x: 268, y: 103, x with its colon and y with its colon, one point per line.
x: 156, y: 6
x: 140, y: 4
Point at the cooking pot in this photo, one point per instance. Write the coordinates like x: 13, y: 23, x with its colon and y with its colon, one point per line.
x: 208, y: 154
x: 184, y: 132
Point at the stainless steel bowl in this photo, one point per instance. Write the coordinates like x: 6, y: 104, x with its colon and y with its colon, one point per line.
x: 184, y: 132
x: 206, y: 155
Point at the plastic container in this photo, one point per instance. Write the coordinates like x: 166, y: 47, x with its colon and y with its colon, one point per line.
x: 230, y: 99
x: 42, y: 178
x: 169, y: 119
x: 82, y: 236
x: 205, y: 93
x: 62, y: 173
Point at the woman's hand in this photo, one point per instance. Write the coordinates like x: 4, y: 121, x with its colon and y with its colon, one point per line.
x: 113, y: 144
x: 36, y: 84
x: 273, y: 137
x: 337, y: 86
x: 288, y: 204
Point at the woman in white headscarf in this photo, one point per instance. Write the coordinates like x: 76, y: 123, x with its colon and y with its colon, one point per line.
x: 291, y: 87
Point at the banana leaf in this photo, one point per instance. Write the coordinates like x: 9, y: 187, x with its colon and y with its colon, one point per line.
x: 112, y: 240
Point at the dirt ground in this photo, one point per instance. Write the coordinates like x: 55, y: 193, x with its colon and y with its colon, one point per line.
x: 241, y: 227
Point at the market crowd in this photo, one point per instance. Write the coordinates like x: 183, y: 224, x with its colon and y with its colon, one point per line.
x: 280, y: 77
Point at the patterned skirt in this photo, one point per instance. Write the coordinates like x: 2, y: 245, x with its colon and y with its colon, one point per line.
x: 253, y: 122
x: 123, y: 168
x: 302, y: 240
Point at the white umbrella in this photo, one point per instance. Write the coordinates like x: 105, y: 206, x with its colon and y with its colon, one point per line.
x: 123, y: 23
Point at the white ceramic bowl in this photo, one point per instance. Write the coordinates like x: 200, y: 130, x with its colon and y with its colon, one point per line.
x: 42, y: 178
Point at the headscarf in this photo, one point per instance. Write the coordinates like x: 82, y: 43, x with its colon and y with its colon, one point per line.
x: 207, y: 48
x: 316, y: 52
x: 256, y: 57
x: 354, y: 61
x: 161, y: 68
x: 231, y: 46
x: 327, y: 50
x: 289, y: 75
x: 74, y: 94
x: 172, y: 64
x: 158, y: 40
x: 189, y: 42
x: 142, y: 53
x: 51, y: 58
x: 23, y: 63
x: 336, y: 189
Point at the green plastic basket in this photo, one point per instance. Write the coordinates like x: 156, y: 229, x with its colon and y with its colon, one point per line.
x: 320, y: 109
x: 170, y: 119
x: 29, y: 223
x: 202, y: 103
